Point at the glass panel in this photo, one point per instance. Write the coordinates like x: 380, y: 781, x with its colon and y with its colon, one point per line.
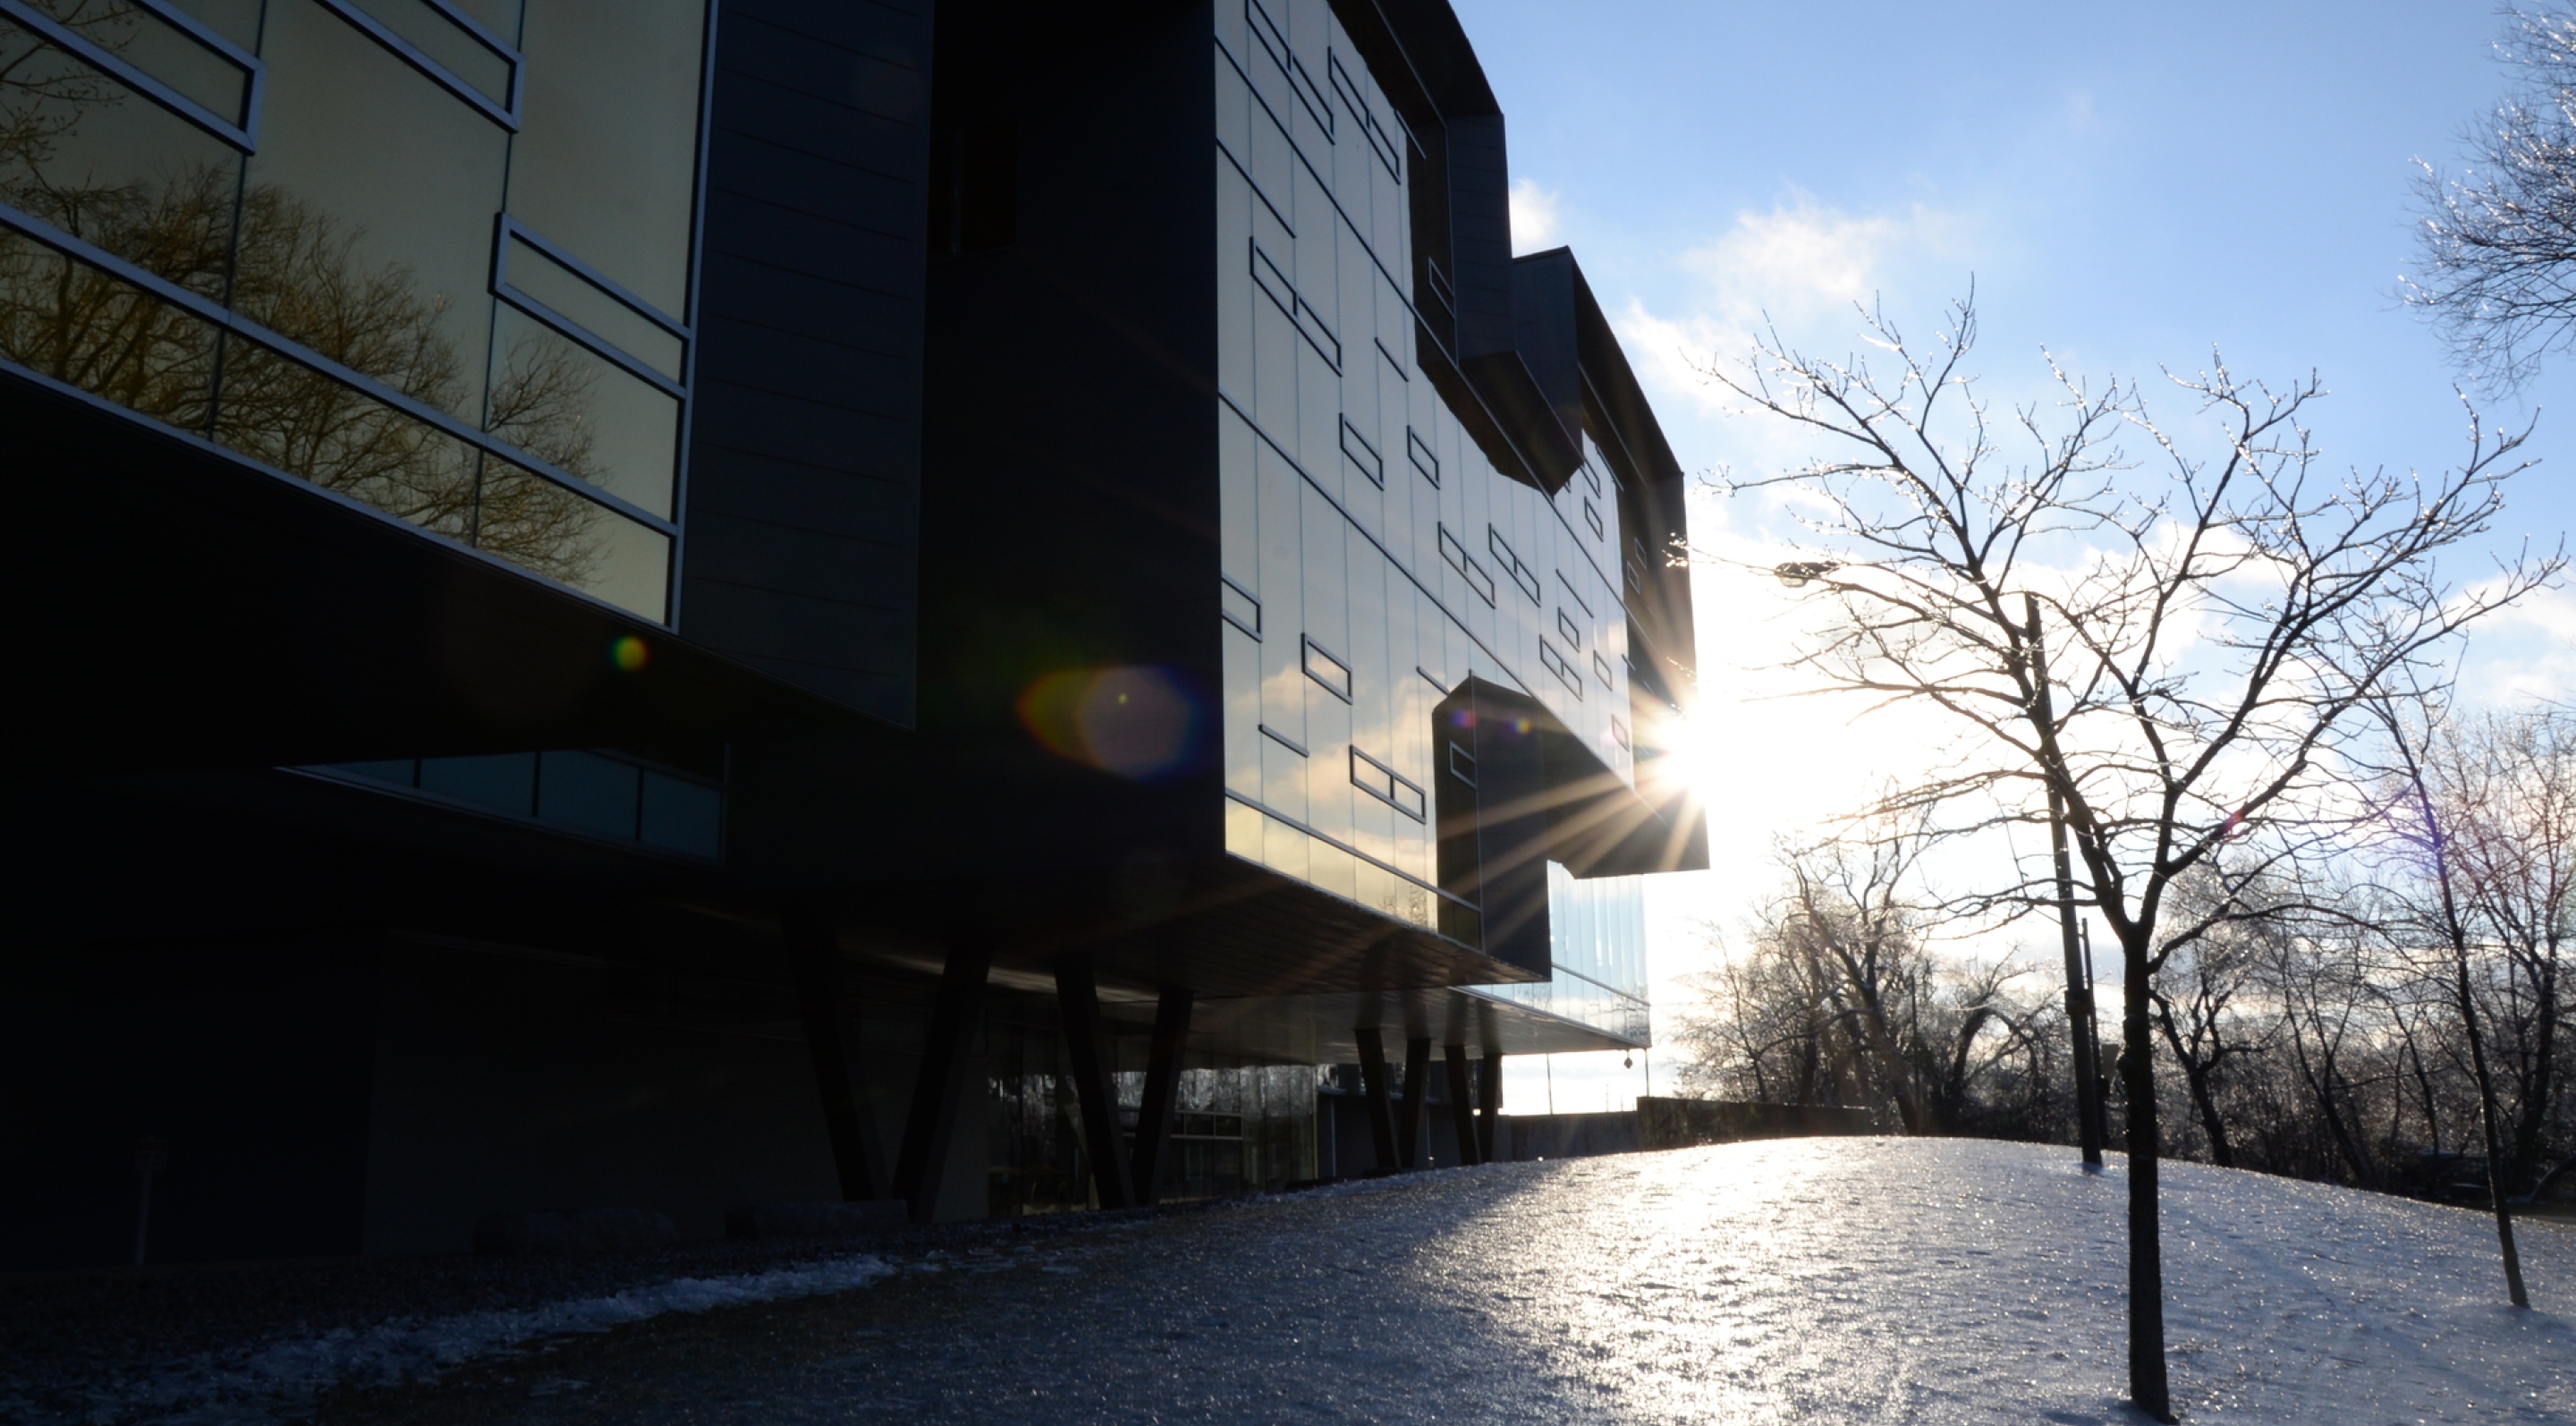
x: 78, y: 325
x: 280, y: 411
x: 543, y: 527
x: 501, y: 17
x: 584, y: 415
x: 606, y: 163
x: 159, y: 49
x: 402, y: 772
x: 235, y: 20
x: 367, y: 228
x: 438, y: 37
x: 103, y: 163
x: 682, y: 816
x: 505, y: 782
x: 573, y: 297
x: 588, y: 791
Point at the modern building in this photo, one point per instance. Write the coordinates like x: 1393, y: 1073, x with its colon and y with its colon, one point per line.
x: 686, y: 604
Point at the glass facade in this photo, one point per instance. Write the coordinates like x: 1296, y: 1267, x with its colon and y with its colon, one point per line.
x: 1597, y: 938
x: 610, y: 795
x: 431, y: 256
x: 1372, y: 557
x: 1237, y: 1128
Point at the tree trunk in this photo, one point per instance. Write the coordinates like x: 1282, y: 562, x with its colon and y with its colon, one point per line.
x: 2495, y: 1137
x: 2147, y: 1384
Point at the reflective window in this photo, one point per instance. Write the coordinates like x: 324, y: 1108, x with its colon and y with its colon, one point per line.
x: 364, y: 349
x: 107, y: 165
x: 235, y: 20
x: 532, y: 273
x: 80, y: 326
x: 437, y: 35
x: 162, y: 50
x: 583, y: 415
x: 539, y: 525
x: 501, y: 17
x: 605, y: 165
x: 381, y: 188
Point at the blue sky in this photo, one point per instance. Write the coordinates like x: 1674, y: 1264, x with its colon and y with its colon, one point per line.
x: 2128, y: 185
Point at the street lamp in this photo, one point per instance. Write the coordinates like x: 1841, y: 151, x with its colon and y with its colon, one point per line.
x: 2092, y: 1126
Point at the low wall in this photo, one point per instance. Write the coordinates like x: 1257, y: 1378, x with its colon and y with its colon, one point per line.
x: 1569, y: 1136
x: 1682, y: 1123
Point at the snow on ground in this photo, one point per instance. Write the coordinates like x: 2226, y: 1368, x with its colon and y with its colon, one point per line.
x: 1943, y: 1282
x: 1963, y: 1281
x: 253, y: 1383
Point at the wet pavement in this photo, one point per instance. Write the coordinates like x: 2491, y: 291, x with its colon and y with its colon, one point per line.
x: 1802, y: 1280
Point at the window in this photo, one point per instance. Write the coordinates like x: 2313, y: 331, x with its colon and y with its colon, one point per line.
x: 1309, y: 322
x: 1565, y: 625
x: 1565, y: 672
x: 1325, y: 669
x: 1387, y: 785
x: 1466, y: 566
x: 1364, y: 118
x: 1357, y: 450
x: 1601, y: 670
x: 1236, y: 606
x: 1511, y: 564
x: 1419, y: 451
x: 513, y: 393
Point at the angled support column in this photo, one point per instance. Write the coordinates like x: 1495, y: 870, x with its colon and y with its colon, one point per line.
x: 814, y: 957
x: 939, y: 1089
x: 1417, y: 1102
x: 1462, y: 1109
x: 1162, y: 1087
x: 1489, y: 1111
x: 1086, y: 1052
x: 1373, y: 1080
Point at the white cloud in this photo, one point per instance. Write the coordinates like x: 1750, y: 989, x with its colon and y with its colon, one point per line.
x: 1801, y: 267
x: 2525, y: 655
x: 1537, y: 217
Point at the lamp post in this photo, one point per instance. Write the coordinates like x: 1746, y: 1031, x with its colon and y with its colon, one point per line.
x: 2091, y: 1126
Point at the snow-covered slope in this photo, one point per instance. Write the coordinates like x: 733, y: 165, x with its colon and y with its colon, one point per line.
x: 1963, y: 1281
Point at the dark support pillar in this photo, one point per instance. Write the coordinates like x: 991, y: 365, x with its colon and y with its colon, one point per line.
x: 939, y: 1090
x: 1489, y: 1111
x: 814, y: 955
x: 1373, y: 1079
x: 1462, y: 1109
x: 1162, y: 1087
x: 1086, y: 1052
x: 1409, y: 1143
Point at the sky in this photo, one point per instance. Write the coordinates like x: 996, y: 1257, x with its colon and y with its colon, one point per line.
x: 2128, y: 187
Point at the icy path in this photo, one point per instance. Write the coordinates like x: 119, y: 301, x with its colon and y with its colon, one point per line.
x: 1794, y: 1281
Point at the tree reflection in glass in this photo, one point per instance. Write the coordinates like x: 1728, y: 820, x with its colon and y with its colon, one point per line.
x: 81, y: 152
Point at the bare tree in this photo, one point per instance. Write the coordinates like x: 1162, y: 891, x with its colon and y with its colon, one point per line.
x: 2413, y: 725
x: 2217, y: 619
x: 2498, y: 241
x: 1841, y: 1000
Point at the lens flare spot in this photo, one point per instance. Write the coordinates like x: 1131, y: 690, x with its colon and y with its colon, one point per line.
x: 1139, y: 722
x: 630, y: 653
